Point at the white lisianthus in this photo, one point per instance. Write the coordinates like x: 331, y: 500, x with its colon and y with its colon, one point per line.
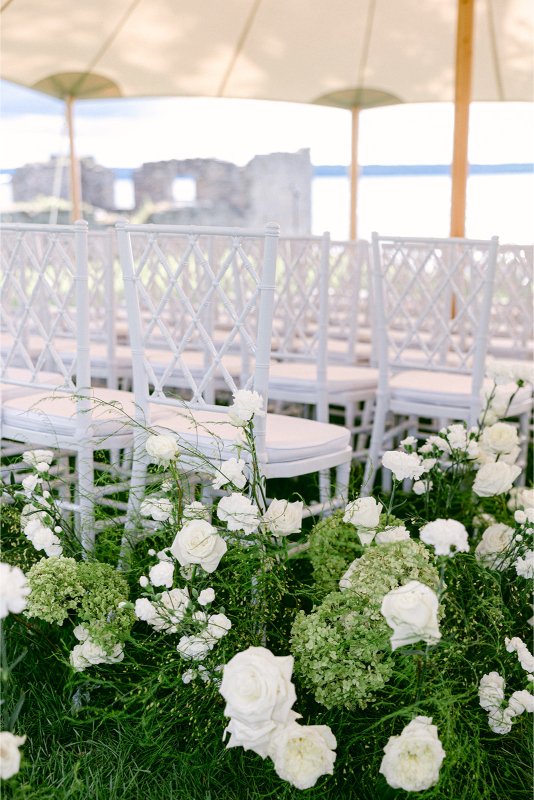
x: 196, y: 510
x: 29, y: 484
x: 499, y: 372
x: 230, y: 471
x: 443, y: 534
x: 9, y: 754
x: 420, y: 487
x: 302, y: 753
x: 218, y: 626
x: 162, y: 448
x: 393, y: 533
x: 246, y: 404
x: 491, y: 691
x: 257, y: 687
x: 412, y: 760
x: 500, y: 438
x: 402, y: 465
x: 162, y: 574
x: 194, y: 648
x: 495, y: 540
x: 412, y: 612
x: 198, y: 542
x: 495, y: 478
x: 524, y: 566
x: 520, y: 497
x: 364, y: 512
x: 159, y: 508
x: 283, y: 517
x: 35, y: 457
x: 239, y: 513
x: 206, y: 596
x: 13, y: 590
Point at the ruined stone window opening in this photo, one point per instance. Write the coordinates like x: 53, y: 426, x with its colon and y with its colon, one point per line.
x: 184, y: 190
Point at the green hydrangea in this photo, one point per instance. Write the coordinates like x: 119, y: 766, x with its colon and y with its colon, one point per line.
x: 342, y: 649
x: 56, y: 589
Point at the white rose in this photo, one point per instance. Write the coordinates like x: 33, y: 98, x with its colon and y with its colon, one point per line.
x: 218, y: 626
x: 162, y: 448
x: 256, y: 738
x: 9, y: 754
x: 402, y: 465
x: 34, y: 457
x: 346, y: 579
x: 525, y: 566
x: 201, y: 616
x: 491, y: 691
x: 30, y: 483
x: 520, y: 497
x: 77, y: 660
x: 239, y: 513
x: 500, y: 438
x: 443, y: 534
x: 302, y: 753
x: 495, y: 478
x: 284, y: 518
x: 246, y: 404
x: 363, y: 512
x: 420, y: 487
x: 499, y: 371
x: 194, y: 648
x: 13, y: 590
x: 412, y: 612
x: 495, y: 540
x: 206, y: 596
x: 196, y: 510
x: 81, y: 633
x: 412, y: 760
x: 162, y: 574
x: 230, y: 471
x: 198, y: 542
x: 520, y: 517
x: 257, y: 687
x: 159, y: 508
x: 393, y: 533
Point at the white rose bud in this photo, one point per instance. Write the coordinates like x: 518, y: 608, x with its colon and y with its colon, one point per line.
x: 230, y: 471
x: 412, y: 612
x: 495, y: 478
x: 412, y: 760
x: 199, y: 543
x: 162, y: 448
x: 364, y: 512
x: 143, y: 580
x: 284, y: 518
x: 206, y: 596
x: 9, y: 754
x: 420, y: 487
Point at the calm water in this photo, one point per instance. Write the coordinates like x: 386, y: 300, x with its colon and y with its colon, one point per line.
x: 501, y: 205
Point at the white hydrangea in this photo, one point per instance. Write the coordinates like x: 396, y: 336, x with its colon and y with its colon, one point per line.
x: 239, y: 513
x: 412, y: 760
x: 443, y: 534
x: 230, y: 471
x: 13, y: 590
x: 402, y: 465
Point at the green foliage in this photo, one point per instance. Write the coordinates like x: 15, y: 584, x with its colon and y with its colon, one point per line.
x: 334, y: 544
x: 341, y: 649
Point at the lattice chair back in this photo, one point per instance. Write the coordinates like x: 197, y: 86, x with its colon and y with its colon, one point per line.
x: 173, y: 286
x: 44, y: 302
x: 350, y: 293
x: 102, y: 276
x: 433, y: 299
x: 511, y: 320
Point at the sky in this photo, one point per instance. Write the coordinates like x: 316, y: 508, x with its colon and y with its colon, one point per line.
x: 126, y: 133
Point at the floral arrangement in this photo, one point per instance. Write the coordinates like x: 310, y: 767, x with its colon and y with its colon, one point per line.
x: 369, y: 653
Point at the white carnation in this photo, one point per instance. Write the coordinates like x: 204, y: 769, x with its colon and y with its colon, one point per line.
x: 9, y: 754
x: 364, y: 512
x: 524, y: 566
x: 420, y: 487
x: 162, y: 448
x: 246, y: 404
x: 393, y: 533
x: 410, y: 441
x: 495, y: 478
x: 159, y: 508
x: 522, y: 371
x: 412, y: 760
x: 499, y: 371
x: 218, y: 626
x: 198, y: 542
x: 30, y: 483
x: 239, y: 513
x: 500, y: 720
x: 520, y: 498
x: 412, y: 612
x: 402, y: 465
x: 162, y: 574
x: 196, y: 510
x: 524, y: 656
x: 230, y: 471
x: 13, y: 590
x: 302, y: 753
x: 35, y: 457
x: 491, y: 691
x: 194, y: 648
x: 443, y: 534
x: 520, y: 702
x: 283, y: 517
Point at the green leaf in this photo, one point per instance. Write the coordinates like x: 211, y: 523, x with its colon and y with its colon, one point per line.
x: 384, y: 791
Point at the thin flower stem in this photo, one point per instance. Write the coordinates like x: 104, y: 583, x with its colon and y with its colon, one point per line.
x: 392, y: 497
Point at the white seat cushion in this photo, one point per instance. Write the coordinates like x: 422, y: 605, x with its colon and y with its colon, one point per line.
x: 56, y: 413
x: 288, y: 438
x: 442, y: 388
x: 8, y: 390
x: 289, y: 376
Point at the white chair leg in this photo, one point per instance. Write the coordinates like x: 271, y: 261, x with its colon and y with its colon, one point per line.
x: 367, y: 415
x: 377, y: 437
x: 140, y: 463
x: 342, y: 481
x: 86, y: 492
x: 324, y: 485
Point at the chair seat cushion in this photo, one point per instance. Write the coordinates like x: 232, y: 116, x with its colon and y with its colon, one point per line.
x: 442, y: 388
x: 288, y: 438
x: 303, y: 377
x: 51, y: 412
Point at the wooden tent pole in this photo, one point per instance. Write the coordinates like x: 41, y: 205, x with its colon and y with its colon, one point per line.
x: 75, y: 183
x: 354, y: 171
x: 462, y: 98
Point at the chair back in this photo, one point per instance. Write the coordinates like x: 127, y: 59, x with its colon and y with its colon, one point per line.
x: 173, y: 285
x: 511, y: 328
